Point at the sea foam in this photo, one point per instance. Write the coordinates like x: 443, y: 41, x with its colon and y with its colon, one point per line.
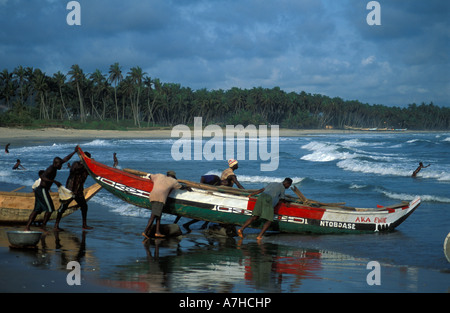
x: 407, y: 197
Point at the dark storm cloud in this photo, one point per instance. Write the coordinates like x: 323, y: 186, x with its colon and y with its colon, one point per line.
x: 316, y: 46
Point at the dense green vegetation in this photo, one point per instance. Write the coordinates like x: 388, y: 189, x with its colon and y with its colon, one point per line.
x: 119, y: 100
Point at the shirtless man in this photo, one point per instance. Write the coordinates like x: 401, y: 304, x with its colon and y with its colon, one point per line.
x: 419, y: 168
x: 75, y: 183
x: 228, y: 177
x: 116, y: 162
x: 43, y: 201
x: 17, y: 165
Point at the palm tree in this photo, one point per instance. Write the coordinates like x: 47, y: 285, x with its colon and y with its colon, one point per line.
x: 104, y: 94
x: 237, y: 99
x: 8, y: 89
x: 60, y: 79
x: 99, y: 91
x: 77, y: 76
x: 126, y: 89
x: 115, y: 77
x: 150, y: 108
x: 136, y: 75
x: 20, y: 73
x: 40, y: 85
x: 221, y: 107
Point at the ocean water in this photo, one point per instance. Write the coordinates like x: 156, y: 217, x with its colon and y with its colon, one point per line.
x: 362, y: 170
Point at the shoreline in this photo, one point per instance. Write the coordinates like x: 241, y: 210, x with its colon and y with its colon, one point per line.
x: 114, y: 260
x: 7, y: 133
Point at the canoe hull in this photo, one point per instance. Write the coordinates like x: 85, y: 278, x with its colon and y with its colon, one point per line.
x: 16, y: 207
x: 290, y: 218
x: 226, y: 208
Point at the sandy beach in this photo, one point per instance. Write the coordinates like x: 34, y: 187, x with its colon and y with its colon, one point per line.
x: 114, y: 259
x: 61, y: 133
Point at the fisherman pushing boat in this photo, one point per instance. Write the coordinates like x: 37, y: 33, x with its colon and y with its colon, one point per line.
x: 162, y: 186
x: 75, y: 183
x: 43, y: 201
x: 264, y: 207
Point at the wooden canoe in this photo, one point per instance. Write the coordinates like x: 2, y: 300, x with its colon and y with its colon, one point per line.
x: 16, y: 207
x: 203, y: 203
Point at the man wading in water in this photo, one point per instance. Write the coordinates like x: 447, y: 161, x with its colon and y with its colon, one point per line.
x: 418, y: 169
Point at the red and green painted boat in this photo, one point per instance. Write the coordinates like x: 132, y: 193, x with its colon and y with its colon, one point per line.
x: 232, y: 206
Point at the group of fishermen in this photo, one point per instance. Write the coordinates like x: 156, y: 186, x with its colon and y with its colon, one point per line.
x: 75, y: 183
x: 264, y: 207
x: 162, y: 186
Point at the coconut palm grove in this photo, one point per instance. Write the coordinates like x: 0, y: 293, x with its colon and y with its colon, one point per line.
x: 124, y: 99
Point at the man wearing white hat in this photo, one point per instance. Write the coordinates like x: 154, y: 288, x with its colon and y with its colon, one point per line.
x: 228, y: 175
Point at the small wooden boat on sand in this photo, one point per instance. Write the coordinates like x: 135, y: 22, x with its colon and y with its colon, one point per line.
x: 233, y: 206
x: 16, y: 207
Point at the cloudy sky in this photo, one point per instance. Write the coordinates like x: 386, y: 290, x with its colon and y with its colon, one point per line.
x: 316, y: 46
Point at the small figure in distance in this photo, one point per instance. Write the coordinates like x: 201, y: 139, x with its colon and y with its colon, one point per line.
x: 17, y: 165
x: 116, y: 162
x: 414, y: 174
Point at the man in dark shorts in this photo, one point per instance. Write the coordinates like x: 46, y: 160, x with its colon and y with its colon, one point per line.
x: 43, y: 201
x: 212, y: 180
x: 75, y: 183
x: 162, y: 186
x: 265, y: 205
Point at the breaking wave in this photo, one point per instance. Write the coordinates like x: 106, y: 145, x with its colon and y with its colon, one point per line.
x: 371, y: 158
x: 117, y: 206
x: 408, y: 197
